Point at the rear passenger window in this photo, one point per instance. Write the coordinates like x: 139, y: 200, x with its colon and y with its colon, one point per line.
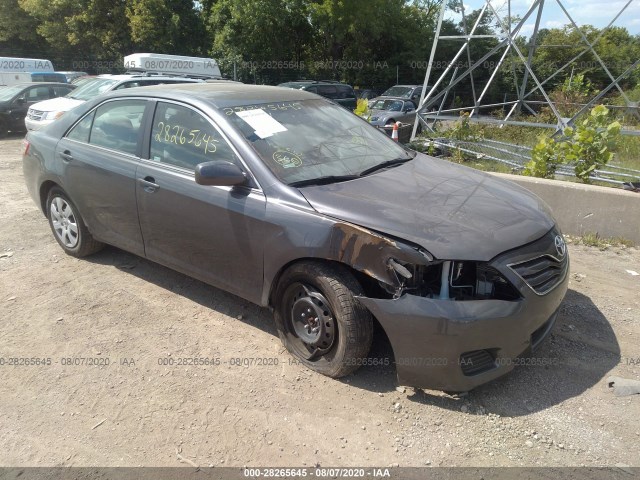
x: 116, y: 125
x: 184, y: 138
x: 80, y: 132
x: 38, y: 94
x: 328, y: 91
x: 345, y: 91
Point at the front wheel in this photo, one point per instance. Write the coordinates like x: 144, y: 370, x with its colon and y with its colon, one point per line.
x: 67, y: 225
x: 319, y: 321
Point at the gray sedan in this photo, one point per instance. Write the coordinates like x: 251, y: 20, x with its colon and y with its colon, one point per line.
x: 387, y: 111
x: 291, y: 202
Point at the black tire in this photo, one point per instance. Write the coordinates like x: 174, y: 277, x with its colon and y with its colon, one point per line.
x: 68, y: 227
x: 4, y: 128
x: 345, y: 326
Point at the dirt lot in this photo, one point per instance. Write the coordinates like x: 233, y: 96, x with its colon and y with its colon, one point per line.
x: 137, y: 315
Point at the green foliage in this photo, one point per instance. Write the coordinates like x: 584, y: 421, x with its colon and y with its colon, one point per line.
x: 463, y: 130
x: 589, y: 146
x: 545, y: 158
x: 591, y: 143
x: 577, y: 84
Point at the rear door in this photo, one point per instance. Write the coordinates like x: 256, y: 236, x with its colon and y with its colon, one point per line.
x: 207, y: 232
x: 98, y: 158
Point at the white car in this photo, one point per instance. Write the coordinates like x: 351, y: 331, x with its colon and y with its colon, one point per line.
x: 43, y: 113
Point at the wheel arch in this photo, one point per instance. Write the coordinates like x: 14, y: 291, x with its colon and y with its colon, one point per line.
x: 43, y: 193
x: 364, y: 280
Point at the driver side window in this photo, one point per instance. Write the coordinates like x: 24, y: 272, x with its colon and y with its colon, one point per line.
x: 182, y: 137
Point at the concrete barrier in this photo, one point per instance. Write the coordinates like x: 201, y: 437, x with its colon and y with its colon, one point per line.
x: 581, y: 209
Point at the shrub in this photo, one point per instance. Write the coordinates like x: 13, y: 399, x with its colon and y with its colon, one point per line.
x: 589, y: 146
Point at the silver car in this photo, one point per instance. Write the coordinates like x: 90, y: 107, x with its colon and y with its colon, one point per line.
x: 387, y: 111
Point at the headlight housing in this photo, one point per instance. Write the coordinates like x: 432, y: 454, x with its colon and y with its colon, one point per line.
x: 53, y: 115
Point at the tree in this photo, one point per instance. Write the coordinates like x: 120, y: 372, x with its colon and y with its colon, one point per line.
x: 173, y: 26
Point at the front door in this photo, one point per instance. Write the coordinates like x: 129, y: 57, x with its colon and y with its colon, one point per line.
x: 207, y: 232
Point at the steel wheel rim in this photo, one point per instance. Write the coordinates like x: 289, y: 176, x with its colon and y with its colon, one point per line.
x: 64, y: 222
x: 311, y: 321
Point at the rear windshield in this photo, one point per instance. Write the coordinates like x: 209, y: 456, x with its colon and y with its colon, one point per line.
x: 310, y: 139
x: 93, y: 88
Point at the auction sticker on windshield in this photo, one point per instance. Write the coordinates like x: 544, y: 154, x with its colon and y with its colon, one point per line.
x: 263, y: 124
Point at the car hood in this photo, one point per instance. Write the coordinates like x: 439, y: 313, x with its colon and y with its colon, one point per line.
x: 60, y: 104
x: 454, y: 212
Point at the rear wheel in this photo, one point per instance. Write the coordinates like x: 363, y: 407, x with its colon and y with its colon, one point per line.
x: 67, y: 226
x: 319, y: 320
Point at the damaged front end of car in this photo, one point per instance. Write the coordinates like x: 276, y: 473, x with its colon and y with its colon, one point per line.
x: 454, y: 325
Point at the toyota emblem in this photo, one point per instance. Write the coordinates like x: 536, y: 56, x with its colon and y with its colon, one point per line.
x: 561, y: 247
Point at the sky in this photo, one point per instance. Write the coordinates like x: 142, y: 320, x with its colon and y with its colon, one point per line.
x: 594, y: 12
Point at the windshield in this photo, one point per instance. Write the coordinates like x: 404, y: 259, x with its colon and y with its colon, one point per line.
x: 398, y: 92
x: 306, y: 140
x: 7, y: 93
x: 390, y: 105
x: 93, y: 88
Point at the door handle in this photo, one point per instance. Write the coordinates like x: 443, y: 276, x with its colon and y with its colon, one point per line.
x: 66, y: 156
x: 149, y: 184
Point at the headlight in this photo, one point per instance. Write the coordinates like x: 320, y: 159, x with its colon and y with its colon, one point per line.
x: 374, y: 119
x: 53, y: 115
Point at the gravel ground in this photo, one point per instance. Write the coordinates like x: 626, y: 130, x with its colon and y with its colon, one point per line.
x: 143, y: 410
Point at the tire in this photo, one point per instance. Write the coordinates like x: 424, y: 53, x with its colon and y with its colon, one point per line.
x: 339, y: 335
x: 390, y: 123
x: 4, y: 128
x: 68, y: 227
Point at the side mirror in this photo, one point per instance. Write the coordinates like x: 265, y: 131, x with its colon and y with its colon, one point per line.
x: 21, y: 100
x: 220, y: 173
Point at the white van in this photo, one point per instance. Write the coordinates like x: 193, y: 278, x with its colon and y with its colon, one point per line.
x: 20, y: 70
x: 173, y: 64
x: 10, y: 64
x: 14, y: 78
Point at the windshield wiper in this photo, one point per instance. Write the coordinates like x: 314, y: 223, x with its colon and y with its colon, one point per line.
x: 387, y: 164
x: 323, y: 180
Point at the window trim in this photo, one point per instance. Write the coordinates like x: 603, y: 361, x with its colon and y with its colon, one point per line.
x: 93, y: 110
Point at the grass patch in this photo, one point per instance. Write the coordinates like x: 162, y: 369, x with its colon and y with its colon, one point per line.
x: 602, y: 243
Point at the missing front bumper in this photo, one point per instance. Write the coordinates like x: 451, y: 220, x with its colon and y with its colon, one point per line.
x: 459, y: 345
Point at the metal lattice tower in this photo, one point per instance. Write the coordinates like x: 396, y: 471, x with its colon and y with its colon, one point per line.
x: 530, y: 90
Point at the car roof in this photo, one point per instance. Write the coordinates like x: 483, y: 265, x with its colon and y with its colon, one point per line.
x: 219, y: 95
x: 31, y: 84
x: 128, y: 76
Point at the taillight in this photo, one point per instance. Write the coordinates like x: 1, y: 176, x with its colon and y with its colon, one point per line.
x: 26, y: 144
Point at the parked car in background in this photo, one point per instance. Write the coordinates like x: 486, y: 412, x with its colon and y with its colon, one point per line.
x: 15, y: 101
x: 388, y: 110
x: 71, y: 76
x: 341, y: 93
x: 44, y: 113
x: 367, y: 93
x: 412, y: 92
x: 291, y: 202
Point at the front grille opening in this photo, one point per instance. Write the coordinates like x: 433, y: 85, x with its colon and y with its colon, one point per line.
x: 467, y: 281
x: 542, y: 273
x: 477, y: 362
